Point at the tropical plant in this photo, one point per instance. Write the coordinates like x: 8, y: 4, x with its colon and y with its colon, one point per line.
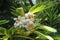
x: 23, y: 32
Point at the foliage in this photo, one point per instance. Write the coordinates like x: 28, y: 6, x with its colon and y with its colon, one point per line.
x: 47, y: 16
x: 18, y: 11
x: 22, y: 32
x: 3, y: 21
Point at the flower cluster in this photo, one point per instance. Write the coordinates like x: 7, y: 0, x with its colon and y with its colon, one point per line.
x: 27, y: 21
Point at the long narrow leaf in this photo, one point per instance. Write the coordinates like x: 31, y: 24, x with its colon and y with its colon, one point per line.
x: 47, y: 28
x: 42, y: 35
x: 3, y: 21
x: 42, y: 7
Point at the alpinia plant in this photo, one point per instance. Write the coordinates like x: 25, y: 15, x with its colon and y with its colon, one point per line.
x: 26, y: 25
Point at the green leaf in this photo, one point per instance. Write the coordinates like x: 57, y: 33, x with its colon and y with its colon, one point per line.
x: 32, y: 8
x: 41, y: 35
x: 18, y: 12
x: 3, y: 31
x: 57, y: 37
x: 3, y: 21
x: 11, y: 31
x: 47, y: 28
x: 42, y: 7
x: 1, y: 38
x: 24, y: 37
x: 5, y: 38
x: 27, y: 33
x: 39, y: 7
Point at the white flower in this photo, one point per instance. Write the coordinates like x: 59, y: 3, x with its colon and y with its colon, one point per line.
x: 34, y: 1
x: 24, y: 26
x: 23, y: 20
x: 29, y: 15
x: 20, y: 25
x: 26, y: 15
x: 27, y: 21
x: 19, y: 18
x: 23, y: 17
x: 30, y: 22
x: 15, y: 18
x: 16, y: 24
x: 20, y: 22
x: 32, y: 19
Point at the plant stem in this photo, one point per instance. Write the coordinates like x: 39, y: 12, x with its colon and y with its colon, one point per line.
x: 24, y: 37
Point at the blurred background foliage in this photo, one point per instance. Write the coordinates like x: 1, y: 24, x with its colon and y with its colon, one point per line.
x: 49, y: 17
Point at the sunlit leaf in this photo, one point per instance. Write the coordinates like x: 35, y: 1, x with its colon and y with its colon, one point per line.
x: 41, y: 35
x: 47, y: 28
x: 5, y: 38
x: 32, y: 8
x: 38, y: 7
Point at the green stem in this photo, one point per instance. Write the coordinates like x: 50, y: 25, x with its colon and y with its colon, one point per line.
x: 24, y: 37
